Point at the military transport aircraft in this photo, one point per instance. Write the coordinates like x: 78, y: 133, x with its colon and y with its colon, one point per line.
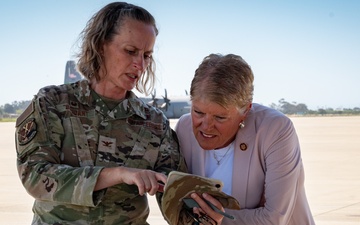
x: 173, y: 107
x: 71, y: 74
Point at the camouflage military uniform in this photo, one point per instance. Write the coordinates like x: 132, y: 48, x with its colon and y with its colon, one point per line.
x: 67, y: 136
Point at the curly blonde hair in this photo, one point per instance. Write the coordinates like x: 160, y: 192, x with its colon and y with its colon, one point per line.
x: 100, y: 29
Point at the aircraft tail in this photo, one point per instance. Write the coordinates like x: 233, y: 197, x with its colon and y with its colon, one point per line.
x: 71, y: 74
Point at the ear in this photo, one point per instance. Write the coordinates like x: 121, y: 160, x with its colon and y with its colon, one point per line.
x: 249, y: 106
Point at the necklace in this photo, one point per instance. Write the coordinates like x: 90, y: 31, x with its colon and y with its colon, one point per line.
x: 219, y: 158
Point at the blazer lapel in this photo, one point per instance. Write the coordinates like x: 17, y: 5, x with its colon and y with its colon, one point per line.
x: 244, y: 148
x: 199, y: 161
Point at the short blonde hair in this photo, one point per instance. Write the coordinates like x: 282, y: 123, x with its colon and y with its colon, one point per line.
x: 224, y: 79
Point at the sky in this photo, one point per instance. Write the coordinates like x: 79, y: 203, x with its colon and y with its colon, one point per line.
x: 301, y: 51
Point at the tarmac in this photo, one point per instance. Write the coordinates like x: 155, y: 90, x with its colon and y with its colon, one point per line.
x: 330, y: 152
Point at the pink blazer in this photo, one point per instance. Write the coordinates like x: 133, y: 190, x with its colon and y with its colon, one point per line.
x: 267, y: 160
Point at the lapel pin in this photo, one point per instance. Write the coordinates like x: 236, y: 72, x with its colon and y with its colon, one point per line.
x: 243, y: 147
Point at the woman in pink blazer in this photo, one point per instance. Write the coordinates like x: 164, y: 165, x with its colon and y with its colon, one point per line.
x: 253, y: 149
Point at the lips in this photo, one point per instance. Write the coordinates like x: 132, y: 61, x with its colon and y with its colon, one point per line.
x: 132, y: 76
x: 207, y: 135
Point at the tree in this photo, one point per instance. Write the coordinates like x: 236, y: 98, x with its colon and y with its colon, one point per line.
x: 301, y: 108
x: 10, y: 109
x: 290, y: 108
x: 322, y: 111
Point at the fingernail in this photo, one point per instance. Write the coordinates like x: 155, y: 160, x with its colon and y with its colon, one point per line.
x: 204, y: 195
x: 193, y: 195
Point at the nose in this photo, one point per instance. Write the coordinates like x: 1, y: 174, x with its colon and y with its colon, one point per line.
x: 139, y: 63
x: 207, y: 122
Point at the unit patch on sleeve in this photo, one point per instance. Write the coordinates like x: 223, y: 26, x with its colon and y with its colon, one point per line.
x: 27, y: 131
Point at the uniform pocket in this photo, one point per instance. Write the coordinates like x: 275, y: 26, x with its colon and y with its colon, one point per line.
x: 145, y: 151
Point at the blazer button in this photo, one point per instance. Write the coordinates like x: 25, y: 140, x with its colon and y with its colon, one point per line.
x: 243, y: 147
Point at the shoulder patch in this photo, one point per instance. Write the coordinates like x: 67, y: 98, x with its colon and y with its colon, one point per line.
x: 27, y: 131
x: 25, y: 114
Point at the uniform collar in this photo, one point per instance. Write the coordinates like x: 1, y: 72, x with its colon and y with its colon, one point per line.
x: 129, y: 106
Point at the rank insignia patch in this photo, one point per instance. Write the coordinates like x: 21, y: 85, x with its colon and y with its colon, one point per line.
x: 27, y: 132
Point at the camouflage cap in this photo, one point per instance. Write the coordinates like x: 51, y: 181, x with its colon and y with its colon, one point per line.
x: 180, y: 185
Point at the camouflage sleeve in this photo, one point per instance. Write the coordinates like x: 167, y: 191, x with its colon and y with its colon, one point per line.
x: 170, y: 157
x: 39, y: 134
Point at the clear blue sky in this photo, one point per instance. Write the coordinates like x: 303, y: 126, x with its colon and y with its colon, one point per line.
x: 302, y: 51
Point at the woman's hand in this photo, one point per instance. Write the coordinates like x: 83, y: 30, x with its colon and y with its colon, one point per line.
x: 145, y: 180
x: 205, y: 211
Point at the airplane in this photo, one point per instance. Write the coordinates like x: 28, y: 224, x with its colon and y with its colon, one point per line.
x: 173, y: 107
x: 71, y: 74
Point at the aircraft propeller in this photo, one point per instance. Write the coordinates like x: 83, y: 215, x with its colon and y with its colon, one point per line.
x: 166, y: 101
x: 154, y: 100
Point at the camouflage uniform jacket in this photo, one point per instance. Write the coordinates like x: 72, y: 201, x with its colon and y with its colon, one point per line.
x: 66, y: 137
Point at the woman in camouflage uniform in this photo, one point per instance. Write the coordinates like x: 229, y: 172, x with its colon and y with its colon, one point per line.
x: 88, y: 152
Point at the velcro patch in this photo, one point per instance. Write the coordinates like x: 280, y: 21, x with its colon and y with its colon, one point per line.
x: 107, y: 144
x: 27, y: 112
x: 27, y: 131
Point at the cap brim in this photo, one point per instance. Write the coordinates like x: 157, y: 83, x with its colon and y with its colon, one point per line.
x: 180, y: 185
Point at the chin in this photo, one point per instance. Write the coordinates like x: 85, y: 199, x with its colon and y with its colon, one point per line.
x: 204, y: 143
x: 206, y: 146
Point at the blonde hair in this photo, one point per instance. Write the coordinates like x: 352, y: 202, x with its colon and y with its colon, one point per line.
x: 224, y: 79
x: 101, y: 28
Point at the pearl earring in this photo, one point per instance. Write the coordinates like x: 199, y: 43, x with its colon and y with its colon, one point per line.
x: 241, y: 125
